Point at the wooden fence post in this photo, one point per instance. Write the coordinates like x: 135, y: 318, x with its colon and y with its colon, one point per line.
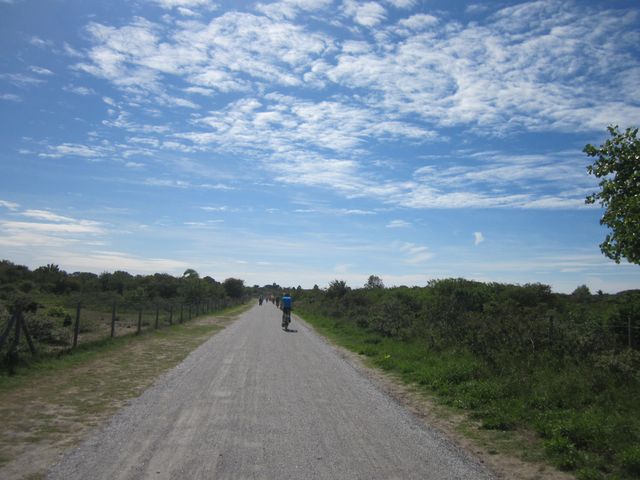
x: 27, y: 335
x: 20, y: 324
x: 139, y: 321
x: 16, y: 339
x: 113, y: 320
x: 76, y: 327
x: 7, y: 329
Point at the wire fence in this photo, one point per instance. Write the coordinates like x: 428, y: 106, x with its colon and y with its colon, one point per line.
x: 57, y: 326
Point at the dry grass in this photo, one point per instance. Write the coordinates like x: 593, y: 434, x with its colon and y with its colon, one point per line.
x: 46, y: 410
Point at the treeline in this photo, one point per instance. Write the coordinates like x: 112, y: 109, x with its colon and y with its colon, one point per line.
x: 495, y: 321
x: 46, y: 311
x: 516, y: 356
x: 18, y: 281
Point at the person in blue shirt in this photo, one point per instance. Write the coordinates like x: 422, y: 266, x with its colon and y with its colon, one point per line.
x: 287, y: 303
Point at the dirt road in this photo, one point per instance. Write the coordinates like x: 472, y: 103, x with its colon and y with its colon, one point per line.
x: 255, y: 402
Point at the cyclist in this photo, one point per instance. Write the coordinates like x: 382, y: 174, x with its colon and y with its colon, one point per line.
x: 287, y: 303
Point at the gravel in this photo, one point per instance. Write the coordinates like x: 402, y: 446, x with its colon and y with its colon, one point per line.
x: 255, y: 402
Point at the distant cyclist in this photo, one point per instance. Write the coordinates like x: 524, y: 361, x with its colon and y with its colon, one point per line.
x: 286, y: 303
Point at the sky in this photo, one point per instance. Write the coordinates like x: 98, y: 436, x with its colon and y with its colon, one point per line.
x: 303, y: 141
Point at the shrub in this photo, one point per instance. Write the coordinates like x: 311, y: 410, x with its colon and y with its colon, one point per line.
x: 563, y: 452
x: 630, y: 460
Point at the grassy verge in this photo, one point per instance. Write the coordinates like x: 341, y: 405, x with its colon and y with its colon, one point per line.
x: 552, y: 412
x: 52, y: 404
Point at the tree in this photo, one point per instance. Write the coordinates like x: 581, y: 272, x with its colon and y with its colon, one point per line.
x: 581, y: 293
x: 190, y: 273
x: 234, y: 287
x: 117, y: 281
x: 337, y: 288
x: 618, y: 167
x: 374, y: 282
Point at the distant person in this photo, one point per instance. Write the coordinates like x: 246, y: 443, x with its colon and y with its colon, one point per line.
x: 287, y: 303
x: 278, y: 302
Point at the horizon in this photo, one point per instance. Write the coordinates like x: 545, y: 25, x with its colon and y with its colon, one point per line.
x: 304, y: 141
x: 295, y: 287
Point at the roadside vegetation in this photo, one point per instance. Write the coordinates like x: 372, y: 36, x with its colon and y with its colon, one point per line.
x: 64, y: 311
x: 515, y: 357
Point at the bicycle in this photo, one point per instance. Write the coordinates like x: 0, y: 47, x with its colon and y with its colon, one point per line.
x: 286, y: 320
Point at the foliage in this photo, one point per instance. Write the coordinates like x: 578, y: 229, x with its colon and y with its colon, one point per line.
x: 374, y: 282
x: 618, y: 167
x: 337, y: 288
x: 49, y: 300
x: 514, y: 355
x: 234, y: 287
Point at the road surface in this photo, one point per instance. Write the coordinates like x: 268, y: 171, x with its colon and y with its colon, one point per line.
x: 255, y: 402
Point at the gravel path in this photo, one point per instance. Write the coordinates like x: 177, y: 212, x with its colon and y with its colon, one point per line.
x: 254, y: 402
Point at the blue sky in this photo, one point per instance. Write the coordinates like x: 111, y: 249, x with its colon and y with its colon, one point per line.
x: 302, y: 141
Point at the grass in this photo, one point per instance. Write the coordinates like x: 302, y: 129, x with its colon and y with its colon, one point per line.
x: 557, y: 412
x: 52, y: 403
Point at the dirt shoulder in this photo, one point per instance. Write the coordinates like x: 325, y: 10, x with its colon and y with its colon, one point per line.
x: 46, y: 413
x: 509, y: 455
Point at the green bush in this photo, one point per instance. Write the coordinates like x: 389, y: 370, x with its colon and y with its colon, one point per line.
x: 564, y: 453
x: 630, y: 460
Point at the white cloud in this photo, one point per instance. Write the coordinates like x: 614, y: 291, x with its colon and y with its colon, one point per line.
x: 485, y: 76
x: 9, y: 205
x: 478, y: 238
x: 46, y: 215
x: 282, y: 122
x: 289, y: 9
x: 10, y: 97
x: 135, y: 165
x: 70, y: 51
x: 21, y: 80
x: 216, y: 186
x: 102, y: 261
x: 52, y: 231
x: 215, y: 209
x: 489, y: 77
x: 215, y: 55
x: 39, y: 42
x: 355, y: 211
x: 398, y: 224
x: 40, y: 70
x: 72, y: 149
x: 368, y: 14
x: 402, y: 3
x: 160, y: 182
x: 79, y: 90
x: 419, y: 21
x: 81, y: 226
x: 414, y: 254
x: 169, y: 4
